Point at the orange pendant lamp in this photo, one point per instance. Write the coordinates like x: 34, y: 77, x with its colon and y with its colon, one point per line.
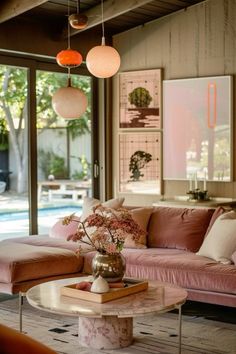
x: 103, y: 61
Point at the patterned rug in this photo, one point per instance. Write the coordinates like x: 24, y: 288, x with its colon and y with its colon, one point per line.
x: 153, y: 334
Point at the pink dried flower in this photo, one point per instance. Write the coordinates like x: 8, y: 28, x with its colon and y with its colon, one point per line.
x: 106, y: 229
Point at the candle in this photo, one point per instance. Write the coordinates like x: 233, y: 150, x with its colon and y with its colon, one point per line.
x: 190, y: 185
x: 204, y: 183
x: 196, y: 180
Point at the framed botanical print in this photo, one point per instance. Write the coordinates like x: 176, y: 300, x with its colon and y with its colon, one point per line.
x: 139, y: 162
x: 140, y: 99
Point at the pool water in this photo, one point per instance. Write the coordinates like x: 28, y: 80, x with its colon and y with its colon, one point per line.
x: 16, y: 224
x: 53, y: 211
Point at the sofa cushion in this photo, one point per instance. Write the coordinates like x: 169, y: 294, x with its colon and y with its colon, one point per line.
x: 220, y: 242
x: 233, y: 257
x: 89, y: 203
x: 178, y: 267
x: 181, y: 228
x: 218, y: 212
x: 59, y: 230
x: 22, y: 262
x: 141, y: 216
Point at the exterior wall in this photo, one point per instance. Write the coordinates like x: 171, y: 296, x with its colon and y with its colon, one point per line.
x: 196, y: 42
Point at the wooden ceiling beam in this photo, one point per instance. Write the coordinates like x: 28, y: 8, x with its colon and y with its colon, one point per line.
x: 13, y: 8
x: 111, y: 9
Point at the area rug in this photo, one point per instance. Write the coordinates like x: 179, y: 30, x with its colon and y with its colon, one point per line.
x: 153, y: 334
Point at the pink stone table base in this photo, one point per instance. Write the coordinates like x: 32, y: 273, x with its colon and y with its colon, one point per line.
x: 108, y: 332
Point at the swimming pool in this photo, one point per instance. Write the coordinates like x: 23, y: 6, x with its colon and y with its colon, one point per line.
x: 16, y: 224
x: 44, y: 212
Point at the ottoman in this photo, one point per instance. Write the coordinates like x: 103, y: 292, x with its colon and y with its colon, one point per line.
x: 23, y: 266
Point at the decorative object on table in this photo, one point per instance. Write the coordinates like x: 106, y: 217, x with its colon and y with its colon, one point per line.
x: 197, y: 128
x: 103, y: 61
x: 110, y: 266
x: 132, y: 286
x: 105, y: 231
x: 196, y: 194
x: 99, y: 286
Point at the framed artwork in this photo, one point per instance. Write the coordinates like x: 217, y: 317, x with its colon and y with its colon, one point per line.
x: 140, y: 99
x: 139, y: 162
x: 197, y: 128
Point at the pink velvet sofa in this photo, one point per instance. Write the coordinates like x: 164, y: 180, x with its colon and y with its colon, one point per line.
x: 174, y: 236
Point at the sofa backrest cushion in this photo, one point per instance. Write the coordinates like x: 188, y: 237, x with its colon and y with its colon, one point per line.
x: 181, y: 228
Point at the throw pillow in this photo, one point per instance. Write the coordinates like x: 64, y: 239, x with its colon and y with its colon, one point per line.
x: 89, y: 203
x: 218, y: 212
x: 63, y: 231
x: 220, y: 243
x: 181, y: 228
x: 141, y: 216
x: 234, y: 257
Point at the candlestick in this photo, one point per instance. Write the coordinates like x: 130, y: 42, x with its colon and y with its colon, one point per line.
x: 204, y: 183
x: 196, y: 180
x: 190, y: 184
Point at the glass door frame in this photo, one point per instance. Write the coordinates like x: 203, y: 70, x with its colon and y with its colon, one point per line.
x: 32, y: 64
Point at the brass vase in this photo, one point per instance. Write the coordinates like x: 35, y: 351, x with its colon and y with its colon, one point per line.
x: 109, y: 266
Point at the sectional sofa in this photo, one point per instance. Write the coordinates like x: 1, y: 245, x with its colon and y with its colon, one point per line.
x: 177, y: 250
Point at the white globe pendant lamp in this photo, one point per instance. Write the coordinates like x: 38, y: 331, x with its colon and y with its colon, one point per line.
x: 69, y: 102
x: 103, y: 61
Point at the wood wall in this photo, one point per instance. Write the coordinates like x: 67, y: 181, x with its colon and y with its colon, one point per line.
x: 199, y: 41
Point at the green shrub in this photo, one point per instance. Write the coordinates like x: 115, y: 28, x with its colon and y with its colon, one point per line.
x: 140, y: 97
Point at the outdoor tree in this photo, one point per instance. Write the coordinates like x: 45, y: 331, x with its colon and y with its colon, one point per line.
x: 13, y: 109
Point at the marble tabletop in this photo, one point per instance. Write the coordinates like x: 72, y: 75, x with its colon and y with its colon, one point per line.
x: 159, y: 297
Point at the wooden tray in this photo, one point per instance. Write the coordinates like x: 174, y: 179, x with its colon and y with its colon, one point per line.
x: 133, y: 286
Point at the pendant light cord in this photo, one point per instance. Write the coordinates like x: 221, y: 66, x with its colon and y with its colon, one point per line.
x: 68, y: 29
x: 68, y: 24
x: 78, y: 6
x: 103, y: 31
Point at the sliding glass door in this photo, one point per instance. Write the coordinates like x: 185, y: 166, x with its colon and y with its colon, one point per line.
x: 14, y: 204
x: 46, y: 162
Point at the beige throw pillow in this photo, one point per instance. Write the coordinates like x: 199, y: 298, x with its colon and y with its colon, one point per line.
x: 220, y: 242
x: 141, y: 216
x: 89, y: 203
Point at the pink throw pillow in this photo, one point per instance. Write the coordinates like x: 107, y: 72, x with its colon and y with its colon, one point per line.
x: 63, y: 231
x: 181, y: 228
x: 141, y: 216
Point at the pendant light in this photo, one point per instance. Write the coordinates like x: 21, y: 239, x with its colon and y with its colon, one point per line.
x: 103, y: 61
x: 78, y: 20
x: 69, y: 102
x: 69, y: 58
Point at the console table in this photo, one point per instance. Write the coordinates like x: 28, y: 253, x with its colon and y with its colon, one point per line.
x: 183, y: 201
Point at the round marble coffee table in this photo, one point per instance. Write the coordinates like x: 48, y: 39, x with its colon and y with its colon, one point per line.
x: 108, y: 325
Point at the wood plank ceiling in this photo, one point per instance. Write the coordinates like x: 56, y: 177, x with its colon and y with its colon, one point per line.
x: 119, y: 15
